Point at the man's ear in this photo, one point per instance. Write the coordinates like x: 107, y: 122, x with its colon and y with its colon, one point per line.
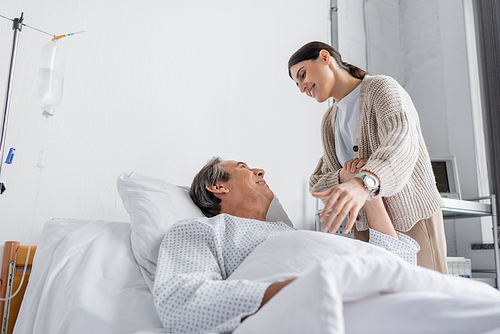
x: 218, y: 189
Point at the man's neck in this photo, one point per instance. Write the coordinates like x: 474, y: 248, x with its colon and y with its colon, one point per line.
x: 246, y: 210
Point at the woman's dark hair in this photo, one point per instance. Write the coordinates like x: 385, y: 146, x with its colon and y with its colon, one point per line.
x: 311, y: 50
x: 208, y: 176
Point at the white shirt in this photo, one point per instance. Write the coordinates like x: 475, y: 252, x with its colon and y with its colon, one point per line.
x: 346, y: 125
x: 197, y: 255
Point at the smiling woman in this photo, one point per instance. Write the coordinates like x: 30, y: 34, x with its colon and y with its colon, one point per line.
x: 372, y: 147
x: 313, y: 51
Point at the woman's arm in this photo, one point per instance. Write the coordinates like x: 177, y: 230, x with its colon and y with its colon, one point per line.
x: 377, y: 216
x: 398, y: 133
x: 323, y: 178
x: 326, y: 173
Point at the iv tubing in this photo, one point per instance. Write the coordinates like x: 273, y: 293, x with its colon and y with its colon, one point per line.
x: 32, y: 223
x: 29, y: 247
x: 56, y: 38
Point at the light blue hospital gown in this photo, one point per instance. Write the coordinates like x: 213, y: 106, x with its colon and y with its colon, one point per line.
x: 197, y: 255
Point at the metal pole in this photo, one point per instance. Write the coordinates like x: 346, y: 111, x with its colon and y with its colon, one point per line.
x: 334, y: 24
x: 495, y: 239
x: 17, y: 25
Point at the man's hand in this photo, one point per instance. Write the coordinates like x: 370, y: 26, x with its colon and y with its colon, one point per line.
x: 345, y: 198
x: 351, y: 168
x: 271, y: 291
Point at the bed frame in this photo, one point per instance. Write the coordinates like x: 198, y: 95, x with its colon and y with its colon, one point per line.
x: 14, y: 259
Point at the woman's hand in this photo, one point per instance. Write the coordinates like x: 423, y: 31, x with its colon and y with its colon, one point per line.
x: 351, y: 168
x: 345, y: 198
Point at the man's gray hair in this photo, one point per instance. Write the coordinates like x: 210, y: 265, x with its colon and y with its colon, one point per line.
x: 211, y: 174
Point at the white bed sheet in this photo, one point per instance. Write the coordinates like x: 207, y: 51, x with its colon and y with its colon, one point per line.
x: 85, y: 280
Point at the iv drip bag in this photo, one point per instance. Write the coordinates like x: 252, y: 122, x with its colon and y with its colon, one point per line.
x: 51, y: 77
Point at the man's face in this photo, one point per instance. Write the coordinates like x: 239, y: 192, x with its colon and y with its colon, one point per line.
x: 246, y: 182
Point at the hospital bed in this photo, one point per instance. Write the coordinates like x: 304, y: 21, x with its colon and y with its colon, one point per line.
x: 96, y: 277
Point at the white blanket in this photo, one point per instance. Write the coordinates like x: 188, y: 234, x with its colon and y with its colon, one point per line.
x: 85, y: 280
x: 361, y: 293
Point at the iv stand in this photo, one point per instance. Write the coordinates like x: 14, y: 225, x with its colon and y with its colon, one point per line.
x: 16, y: 26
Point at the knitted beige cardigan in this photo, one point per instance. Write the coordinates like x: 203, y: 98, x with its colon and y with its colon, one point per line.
x: 389, y: 136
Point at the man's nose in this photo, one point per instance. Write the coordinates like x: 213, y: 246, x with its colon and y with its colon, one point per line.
x: 259, y: 172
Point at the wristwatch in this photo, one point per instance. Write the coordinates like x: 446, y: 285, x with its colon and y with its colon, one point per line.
x: 370, y: 182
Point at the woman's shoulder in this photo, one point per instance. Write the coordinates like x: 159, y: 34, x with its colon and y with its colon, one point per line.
x: 379, y: 80
x: 380, y: 86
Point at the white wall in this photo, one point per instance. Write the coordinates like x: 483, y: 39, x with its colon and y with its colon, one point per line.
x: 422, y: 44
x: 157, y: 87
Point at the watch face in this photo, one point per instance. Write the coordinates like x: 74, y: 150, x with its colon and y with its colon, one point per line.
x: 370, y: 182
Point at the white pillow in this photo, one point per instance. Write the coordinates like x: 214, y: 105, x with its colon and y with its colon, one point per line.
x: 154, y: 205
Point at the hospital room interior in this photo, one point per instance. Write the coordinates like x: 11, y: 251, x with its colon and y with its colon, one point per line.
x: 152, y: 90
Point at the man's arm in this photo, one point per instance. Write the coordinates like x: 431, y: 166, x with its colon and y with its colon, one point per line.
x: 190, y: 290
x: 271, y: 291
x: 383, y: 234
x: 378, y: 219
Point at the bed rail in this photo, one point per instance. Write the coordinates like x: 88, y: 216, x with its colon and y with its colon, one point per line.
x: 14, y: 259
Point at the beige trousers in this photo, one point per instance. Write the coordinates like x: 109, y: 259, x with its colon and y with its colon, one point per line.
x: 429, y: 233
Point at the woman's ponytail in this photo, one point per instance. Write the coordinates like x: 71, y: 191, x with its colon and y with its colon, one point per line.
x: 354, y: 70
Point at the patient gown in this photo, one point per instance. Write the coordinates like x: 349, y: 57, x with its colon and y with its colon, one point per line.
x: 197, y: 256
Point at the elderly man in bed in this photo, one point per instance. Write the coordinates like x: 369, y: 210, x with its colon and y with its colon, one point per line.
x: 201, y: 287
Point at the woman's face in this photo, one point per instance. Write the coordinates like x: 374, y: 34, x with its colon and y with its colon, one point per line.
x: 315, y: 77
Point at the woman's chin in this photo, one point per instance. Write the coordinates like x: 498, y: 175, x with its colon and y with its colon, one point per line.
x: 320, y: 99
